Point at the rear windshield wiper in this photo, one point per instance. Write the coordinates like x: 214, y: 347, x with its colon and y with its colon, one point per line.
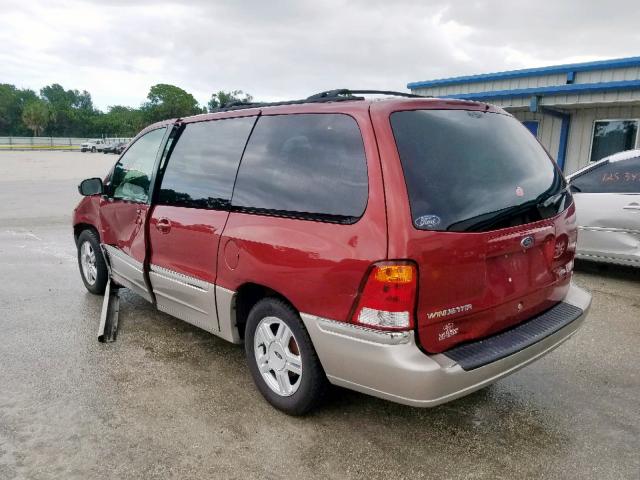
x: 490, y: 220
x: 487, y: 220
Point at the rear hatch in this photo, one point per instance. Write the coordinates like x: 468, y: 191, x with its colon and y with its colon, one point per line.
x: 493, y: 223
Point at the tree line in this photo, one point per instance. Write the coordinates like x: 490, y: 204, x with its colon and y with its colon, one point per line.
x: 55, y: 111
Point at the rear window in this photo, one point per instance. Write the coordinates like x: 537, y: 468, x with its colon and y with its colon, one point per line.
x: 309, y: 166
x: 474, y: 171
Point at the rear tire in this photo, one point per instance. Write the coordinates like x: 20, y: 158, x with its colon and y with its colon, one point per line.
x: 93, y: 268
x: 284, y: 365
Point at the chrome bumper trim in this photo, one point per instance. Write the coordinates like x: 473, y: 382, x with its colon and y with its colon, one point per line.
x: 181, y: 278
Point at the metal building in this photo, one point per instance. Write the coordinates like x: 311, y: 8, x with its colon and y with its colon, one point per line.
x: 580, y: 112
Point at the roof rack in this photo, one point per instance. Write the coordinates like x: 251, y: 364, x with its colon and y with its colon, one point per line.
x: 349, y: 92
x: 338, y: 95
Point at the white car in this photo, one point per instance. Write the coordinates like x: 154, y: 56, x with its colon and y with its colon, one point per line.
x: 96, y: 145
x: 607, y: 198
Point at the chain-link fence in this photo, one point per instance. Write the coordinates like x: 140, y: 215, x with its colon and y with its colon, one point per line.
x: 56, y: 143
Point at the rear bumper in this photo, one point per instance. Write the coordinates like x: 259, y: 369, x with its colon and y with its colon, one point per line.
x: 391, y: 366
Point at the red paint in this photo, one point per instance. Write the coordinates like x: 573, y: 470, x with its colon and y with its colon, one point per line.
x: 188, y: 242
x: 317, y: 266
x: 484, y: 282
x: 461, y: 269
x: 122, y: 225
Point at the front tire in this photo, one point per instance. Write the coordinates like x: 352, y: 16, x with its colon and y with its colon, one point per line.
x: 93, y: 268
x: 283, y: 363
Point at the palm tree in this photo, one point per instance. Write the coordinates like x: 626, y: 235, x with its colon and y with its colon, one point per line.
x: 36, y: 116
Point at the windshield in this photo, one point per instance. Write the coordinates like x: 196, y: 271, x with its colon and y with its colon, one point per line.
x: 475, y: 171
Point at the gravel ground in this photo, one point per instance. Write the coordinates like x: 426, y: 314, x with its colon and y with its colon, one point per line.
x: 168, y: 400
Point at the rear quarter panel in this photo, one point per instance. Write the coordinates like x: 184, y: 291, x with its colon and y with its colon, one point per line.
x: 317, y: 266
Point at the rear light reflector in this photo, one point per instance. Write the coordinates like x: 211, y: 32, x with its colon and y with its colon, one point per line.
x: 387, y: 300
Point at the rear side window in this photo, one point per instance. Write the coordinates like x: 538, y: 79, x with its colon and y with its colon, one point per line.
x: 306, y: 166
x: 474, y: 171
x: 622, y: 176
x: 203, y: 165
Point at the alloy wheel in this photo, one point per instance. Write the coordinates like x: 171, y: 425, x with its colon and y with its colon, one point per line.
x: 278, y: 356
x: 88, y: 263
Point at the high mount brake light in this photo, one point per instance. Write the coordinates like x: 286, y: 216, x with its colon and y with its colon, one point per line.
x: 388, y: 298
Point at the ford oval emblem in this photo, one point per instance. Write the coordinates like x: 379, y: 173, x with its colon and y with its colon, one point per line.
x: 527, y: 242
x: 427, y: 222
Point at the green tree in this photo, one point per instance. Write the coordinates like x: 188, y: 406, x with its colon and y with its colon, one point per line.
x: 12, y: 102
x: 36, y: 115
x: 168, y: 101
x: 73, y: 110
x: 120, y: 121
x: 223, y: 98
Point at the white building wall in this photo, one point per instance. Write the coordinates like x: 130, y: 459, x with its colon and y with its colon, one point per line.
x: 595, y: 76
x: 493, y: 85
x: 610, y: 75
x: 561, y: 101
x: 548, y: 129
x: 581, y: 131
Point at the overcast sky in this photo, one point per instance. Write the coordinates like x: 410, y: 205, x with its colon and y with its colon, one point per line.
x: 117, y: 49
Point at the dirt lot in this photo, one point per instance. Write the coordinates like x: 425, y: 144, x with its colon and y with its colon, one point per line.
x: 169, y: 400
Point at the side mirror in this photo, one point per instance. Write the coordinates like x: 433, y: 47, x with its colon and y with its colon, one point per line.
x: 90, y: 186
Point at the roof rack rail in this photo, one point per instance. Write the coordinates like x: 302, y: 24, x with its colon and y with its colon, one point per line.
x: 338, y: 95
x: 349, y: 92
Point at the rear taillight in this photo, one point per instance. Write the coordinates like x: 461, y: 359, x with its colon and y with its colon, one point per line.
x: 387, y: 300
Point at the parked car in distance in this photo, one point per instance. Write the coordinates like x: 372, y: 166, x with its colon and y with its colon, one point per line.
x: 413, y: 249
x: 95, y: 145
x: 110, y: 148
x: 116, y: 148
x: 607, y: 197
x: 121, y: 147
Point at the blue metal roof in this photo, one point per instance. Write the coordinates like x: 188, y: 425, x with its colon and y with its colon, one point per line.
x: 529, y: 72
x: 550, y: 91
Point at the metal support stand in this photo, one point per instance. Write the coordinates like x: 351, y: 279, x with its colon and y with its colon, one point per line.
x: 109, y: 317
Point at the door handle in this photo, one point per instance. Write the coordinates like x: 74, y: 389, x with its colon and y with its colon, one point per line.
x: 163, y: 225
x: 632, y: 206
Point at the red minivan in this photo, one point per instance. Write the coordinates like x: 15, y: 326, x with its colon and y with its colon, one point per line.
x: 414, y: 249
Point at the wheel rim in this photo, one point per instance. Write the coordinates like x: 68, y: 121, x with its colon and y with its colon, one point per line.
x: 88, y: 263
x: 277, y: 354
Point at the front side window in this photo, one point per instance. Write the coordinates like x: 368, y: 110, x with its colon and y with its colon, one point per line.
x: 469, y: 171
x: 203, y: 165
x: 622, y: 176
x: 131, y: 176
x: 613, y: 136
x: 306, y: 166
